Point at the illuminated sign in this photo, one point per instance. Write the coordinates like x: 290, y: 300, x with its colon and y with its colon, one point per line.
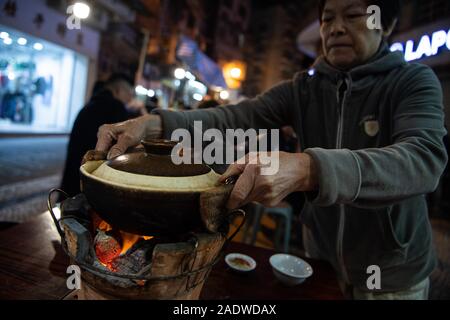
x: 428, y: 46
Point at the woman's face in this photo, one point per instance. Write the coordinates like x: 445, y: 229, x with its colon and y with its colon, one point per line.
x: 346, y: 40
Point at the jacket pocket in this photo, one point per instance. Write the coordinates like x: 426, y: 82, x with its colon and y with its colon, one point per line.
x: 390, y: 235
x: 394, y: 251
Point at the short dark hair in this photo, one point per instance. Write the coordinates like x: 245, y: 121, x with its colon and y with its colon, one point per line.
x: 98, y: 86
x: 116, y: 78
x: 390, y: 10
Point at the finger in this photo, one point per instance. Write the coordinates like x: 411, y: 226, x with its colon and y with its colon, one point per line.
x: 236, y: 168
x: 93, y: 155
x: 106, y: 136
x: 232, y: 170
x: 243, y: 187
x: 124, y: 141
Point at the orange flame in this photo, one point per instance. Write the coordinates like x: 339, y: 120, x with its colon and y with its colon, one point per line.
x: 128, y: 239
x: 104, y: 226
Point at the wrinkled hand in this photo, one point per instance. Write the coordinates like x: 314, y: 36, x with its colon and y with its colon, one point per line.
x: 115, y: 139
x: 93, y: 155
x: 297, y: 172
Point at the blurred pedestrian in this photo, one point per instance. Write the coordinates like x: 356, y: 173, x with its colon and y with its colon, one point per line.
x: 98, y: 86
x: 107, y: 105
x: 151, y: 103
x: 136, y: 108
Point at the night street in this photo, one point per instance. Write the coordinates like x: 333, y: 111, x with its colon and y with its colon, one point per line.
x: 225, y: 150
x: 29, y: 168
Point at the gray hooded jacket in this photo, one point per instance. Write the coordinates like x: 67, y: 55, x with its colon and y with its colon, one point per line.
x: 375, y: 133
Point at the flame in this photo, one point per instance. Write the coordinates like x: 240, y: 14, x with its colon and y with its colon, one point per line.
x: 128, y: 239
x: 99, y: 223
x: 104, y: 226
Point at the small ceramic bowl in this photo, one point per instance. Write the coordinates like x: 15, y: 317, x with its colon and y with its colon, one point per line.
x: 290, y: 270
x: 240, y: 262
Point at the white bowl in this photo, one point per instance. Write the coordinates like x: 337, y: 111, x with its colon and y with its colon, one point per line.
x: 289, y: 269
x: 240, y: 262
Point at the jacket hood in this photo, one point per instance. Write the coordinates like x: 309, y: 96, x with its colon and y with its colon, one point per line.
x: 383, y: 61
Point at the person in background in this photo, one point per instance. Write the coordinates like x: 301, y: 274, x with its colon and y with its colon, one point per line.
x: 98, y: 86
x: 136, y: 108
x: 151, y: 103
x: 107, y: 105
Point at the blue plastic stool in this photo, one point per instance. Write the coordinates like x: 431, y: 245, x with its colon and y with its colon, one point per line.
x: 284, y: 213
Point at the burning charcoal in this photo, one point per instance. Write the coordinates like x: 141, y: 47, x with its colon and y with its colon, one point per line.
x: 130, y: 263
x: 147, y: 246
x: 136, y: 259
x: 107, y: 247
x: 97, y: 264
x: 98, y: 223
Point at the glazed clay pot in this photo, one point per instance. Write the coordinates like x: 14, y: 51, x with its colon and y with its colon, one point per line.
x: 143, y: 192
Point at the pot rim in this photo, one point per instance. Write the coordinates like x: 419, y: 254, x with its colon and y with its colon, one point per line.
x: 85, y: 172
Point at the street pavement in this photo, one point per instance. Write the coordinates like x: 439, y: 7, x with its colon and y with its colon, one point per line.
x: 29, y: 168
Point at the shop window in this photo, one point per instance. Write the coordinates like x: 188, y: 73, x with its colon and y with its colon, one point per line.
x: 42, y: 85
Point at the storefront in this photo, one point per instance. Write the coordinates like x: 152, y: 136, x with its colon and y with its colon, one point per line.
x: 45, y: 70
x: 35, y: 95
x: 429, y: 44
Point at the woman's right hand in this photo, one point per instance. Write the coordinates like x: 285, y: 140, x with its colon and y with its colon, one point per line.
x: 115, y: 139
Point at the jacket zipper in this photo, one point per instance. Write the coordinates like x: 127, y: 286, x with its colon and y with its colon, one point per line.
x: 340, y: 235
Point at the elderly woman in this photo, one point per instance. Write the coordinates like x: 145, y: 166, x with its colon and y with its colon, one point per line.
x: 370, y: 127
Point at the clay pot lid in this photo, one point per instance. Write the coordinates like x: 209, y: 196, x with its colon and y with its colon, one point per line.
x: 155, y: 160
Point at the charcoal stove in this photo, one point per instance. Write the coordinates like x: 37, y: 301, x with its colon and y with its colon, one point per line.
x: 174, y: 267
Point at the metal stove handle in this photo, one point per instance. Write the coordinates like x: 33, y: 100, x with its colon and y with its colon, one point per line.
x: 231, y: 214
x: 50, y: 209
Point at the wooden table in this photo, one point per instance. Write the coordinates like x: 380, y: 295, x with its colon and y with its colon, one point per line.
x: 223, y: 283
x: 33, y: 266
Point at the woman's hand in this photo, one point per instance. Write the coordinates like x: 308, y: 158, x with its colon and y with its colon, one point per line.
x: 115, y: 139
x: 297, y: 172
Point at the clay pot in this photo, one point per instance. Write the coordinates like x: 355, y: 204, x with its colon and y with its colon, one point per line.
x: 144, y: 192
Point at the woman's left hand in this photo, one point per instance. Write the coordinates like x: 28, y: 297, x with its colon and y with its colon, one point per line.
x: 296, y: 172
